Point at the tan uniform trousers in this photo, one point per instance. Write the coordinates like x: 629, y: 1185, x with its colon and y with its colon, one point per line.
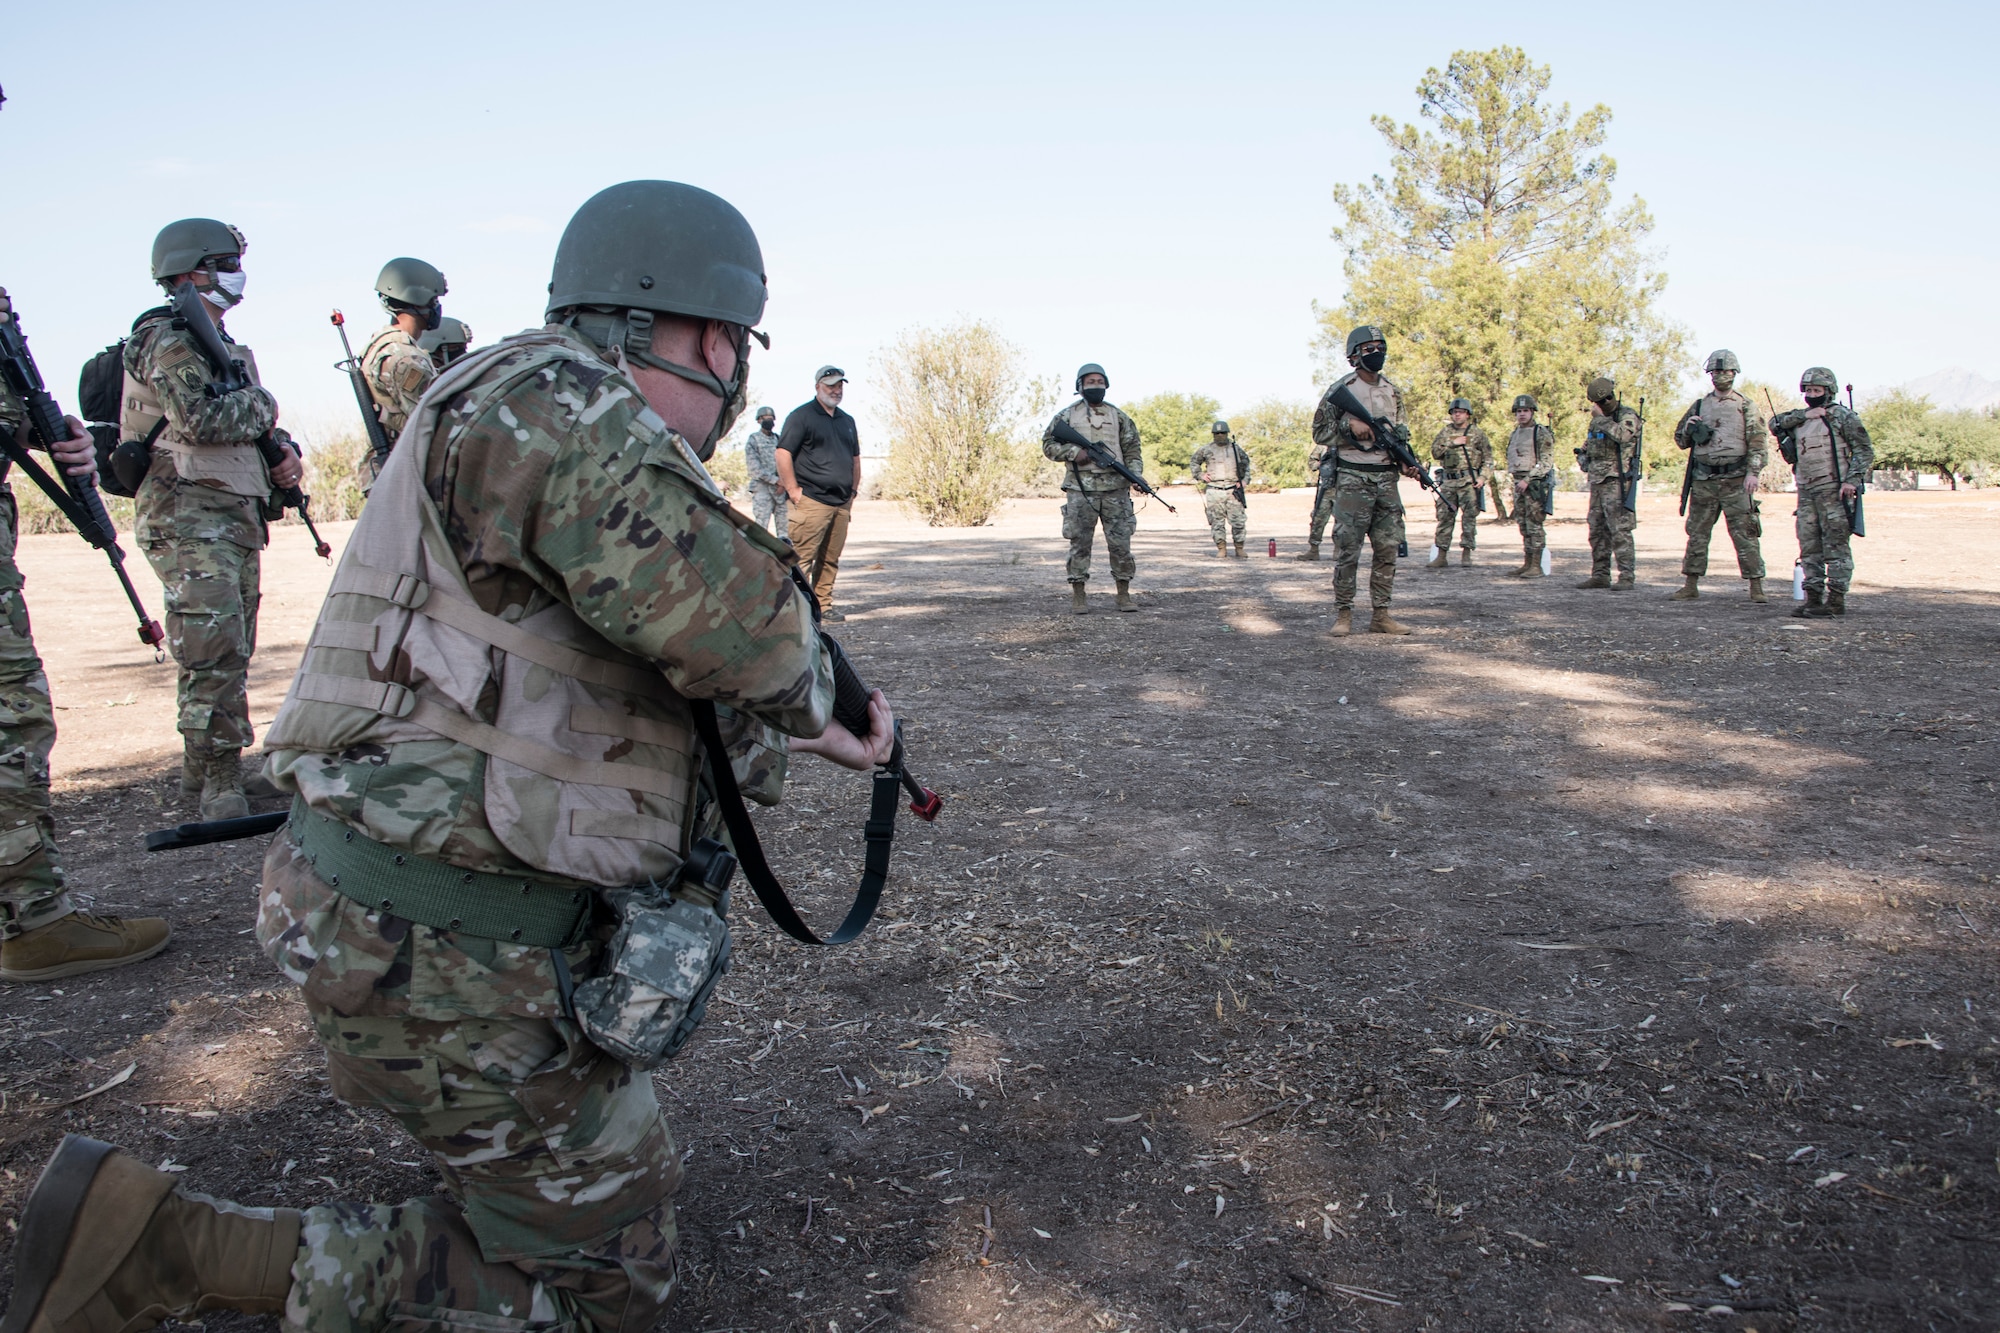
x: 814, y: 525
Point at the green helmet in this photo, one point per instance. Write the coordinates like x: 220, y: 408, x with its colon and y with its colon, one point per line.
x: 452, y: 335
x: 1460, y: 405
x: 1526, y: 400
x: 660, y: 246
x: 763, y: 412
x: 1603, y: 389
x: 1090, y: 368
x: 182, y: 247
x: 1722, y: 360
x: 1219, y: 428
x: 1363, y: 335
x: 409, y: 284
x: 1821, y: 377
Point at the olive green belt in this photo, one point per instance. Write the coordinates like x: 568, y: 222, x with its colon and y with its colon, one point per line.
x: 509, y: 908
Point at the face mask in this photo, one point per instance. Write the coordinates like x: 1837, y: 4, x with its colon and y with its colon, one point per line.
x: 1722, y: 380
x: 733, y: 405
x: 227, y: 291
x: 1372, y: 362
x: 1815, y: 397
x: 1094, y: 394
x: 433, y: 316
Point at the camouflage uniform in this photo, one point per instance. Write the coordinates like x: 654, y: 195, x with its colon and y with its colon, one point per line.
x: 558, y: 1166
x: 1220, y: 469
x: 1322, y: 512
x: 31, y: 877
x: 1734, y: 451
x: 767, y: 497
x: 1094, y: 494
x: 203, y: 533
x: 1833, y: 449
x: 1466, y: 469
x: 1530, y: 458
x: 1362, y: 483
x: 397, y: 371
x: 1610, y: 441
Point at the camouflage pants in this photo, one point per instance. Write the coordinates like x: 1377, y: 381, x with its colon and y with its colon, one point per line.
x: 1528, y: 514
x: 1226, y: 515
x: 1366, y: 504
x: 1457, y: 507
x: 31, y: 878
x: 1082, y: 512
x: 1611, y: 527
x: 767, y: 506
x: 204, y: 544
x: 558, y: 1165
x: 1500, y: 490
x: 1322, y: 515
x: 1824, y: 539
x: 1724, y: 496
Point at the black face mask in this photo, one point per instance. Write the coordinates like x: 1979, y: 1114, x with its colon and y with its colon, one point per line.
x: 1816, y: 398
x: 1094, y: 394
x: 433, y: 316
x: 1372, y: 362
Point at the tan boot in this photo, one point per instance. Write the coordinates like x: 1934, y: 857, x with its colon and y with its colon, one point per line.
x: 1596, y: 581
x: 1626, y: 582
x: 108, y: 1245
x: 1221, y: 550
x: 1687, y: 592
x: 194, y: 763
x: 1239, y: 550
x: 1522, y: 572
x: 1077, y: 602
x: 1534, y: 569
x: 1343, y: 620
x: 1441, y: 559
x: 1310, y: 553
x: 79, y: 943
x: 1125, y: 602
x: 1381, y: 622
x: 1465, y: 556
x: 1757, y: 591
x: 222, y: 786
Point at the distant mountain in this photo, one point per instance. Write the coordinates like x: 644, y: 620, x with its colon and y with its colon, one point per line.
x: 1954, y: 388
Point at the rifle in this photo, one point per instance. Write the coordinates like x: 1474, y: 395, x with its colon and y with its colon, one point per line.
x: 1067, y: 434
x: 1857, y: 522
x: 1788, y: 445
x: 231, y: 377
x: 75, y: 497
x: 1394, y: 439
x: 1478, y: 489
x: 378, y: 439
x: 1628, y: 487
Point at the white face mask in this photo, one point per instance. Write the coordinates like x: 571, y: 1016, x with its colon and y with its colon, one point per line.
x: 227, y: 291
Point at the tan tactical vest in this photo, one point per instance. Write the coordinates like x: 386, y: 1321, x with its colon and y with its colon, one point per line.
x: 1222, y: 464
x: 1729, y: 419
x: 1521, y: 450
x: 1381, y: 400
x: 1100, y: 426
x: 590, y: 754
x: 236, y: 468
x: 1814, y: 438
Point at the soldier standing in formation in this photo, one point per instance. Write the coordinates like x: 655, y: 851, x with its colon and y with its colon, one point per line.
x: 395, y: 367
x: 1465, y: 458
x: 1724, y: 435
x: 760, y: 459
x: 201, y: 508
x: 1357, y: 472
x: 446, y: 343
x: 1610, y: 447
x: 1531, y: 467
x: 451, y: 1013
x: 1831, y: 457
x: 43, y: 937
x: 1220, y: 468
x: 1094, y: 494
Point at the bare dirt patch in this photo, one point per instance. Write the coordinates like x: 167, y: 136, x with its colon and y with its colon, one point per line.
x: 1583, y: 961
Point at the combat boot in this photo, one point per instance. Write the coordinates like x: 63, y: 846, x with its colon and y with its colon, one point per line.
x: 1465, y: 557
x: 1239, y: 550
x: 1381, y: 622
x: 1077, y: 601
x: 1441, y: 559
x: 1310, y: 553
x: 108, y: 1245
x: 79, y: 943
x: 1687, y: 592
x: 1343, y: 620
x: 222, y: 786
x: 1836, y: 601
x: 1533, y: 569
x: 1626, y: 582
x: 1221, y: 550
x: 194, y: 762
x: 1125, y: 602
x: 1596, y: 581
x: 1757, y: 591
x: 1813, y: 609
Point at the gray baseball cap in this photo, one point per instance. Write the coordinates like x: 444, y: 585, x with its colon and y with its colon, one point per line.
x: 829, y: 375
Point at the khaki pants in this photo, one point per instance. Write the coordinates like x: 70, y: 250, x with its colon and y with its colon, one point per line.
x: 812, y: 523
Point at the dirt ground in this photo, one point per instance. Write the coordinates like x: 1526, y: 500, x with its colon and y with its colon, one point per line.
x: 1582, y: 961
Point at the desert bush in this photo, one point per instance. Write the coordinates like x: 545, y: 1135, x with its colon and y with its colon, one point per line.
x: 957, y: 405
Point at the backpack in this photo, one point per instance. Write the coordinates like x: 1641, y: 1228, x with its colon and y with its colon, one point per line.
x: 100, y: 392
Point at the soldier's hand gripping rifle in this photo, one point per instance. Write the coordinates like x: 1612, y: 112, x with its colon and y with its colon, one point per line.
x: 378, y: 439
x: 231, y: 377
x: 75, y: 497
x: 1070, y: 435
x: 1394, y: 439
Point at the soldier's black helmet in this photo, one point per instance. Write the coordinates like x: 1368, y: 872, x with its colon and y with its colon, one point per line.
x: 1526, y: 400
x: 410, y: 283
x: 1460, y: 405
x: 1219, y: 428
x: 661, y: 246
x: 182, y: 247
x: 1362, y: 335
x: 1090, y: 368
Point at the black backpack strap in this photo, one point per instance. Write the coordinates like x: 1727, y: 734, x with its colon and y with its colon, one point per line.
x: 880, y: 831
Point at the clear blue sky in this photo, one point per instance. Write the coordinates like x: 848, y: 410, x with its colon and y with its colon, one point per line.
x: 1143, y: 185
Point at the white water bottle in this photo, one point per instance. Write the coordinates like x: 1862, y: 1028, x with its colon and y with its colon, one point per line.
x: 1434, y: 552
x: 1798, y: 583
x: 1547, y: 564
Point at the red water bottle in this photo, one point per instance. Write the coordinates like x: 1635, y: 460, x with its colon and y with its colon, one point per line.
x: 1274, y: 548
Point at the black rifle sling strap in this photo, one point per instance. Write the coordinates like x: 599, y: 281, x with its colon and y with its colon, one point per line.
x: 880, y: 831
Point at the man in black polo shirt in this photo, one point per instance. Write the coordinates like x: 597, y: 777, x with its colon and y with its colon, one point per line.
x: 819, y: 467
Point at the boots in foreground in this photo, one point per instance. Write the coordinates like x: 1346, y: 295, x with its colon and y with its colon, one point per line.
x: 1687, y: 592
x: 1814, y: 608
x: 1343, y: 620
x: 1310, y: 553
x: 1125, y: 602
x: 1596, y: 581
x: 79, y: 943
x: 1381, y: 622
x: 1077, y: 601
x: 1441, y: 559
x: 1757, y: 591
x: 222, y: 785
x: 1836, y: 601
